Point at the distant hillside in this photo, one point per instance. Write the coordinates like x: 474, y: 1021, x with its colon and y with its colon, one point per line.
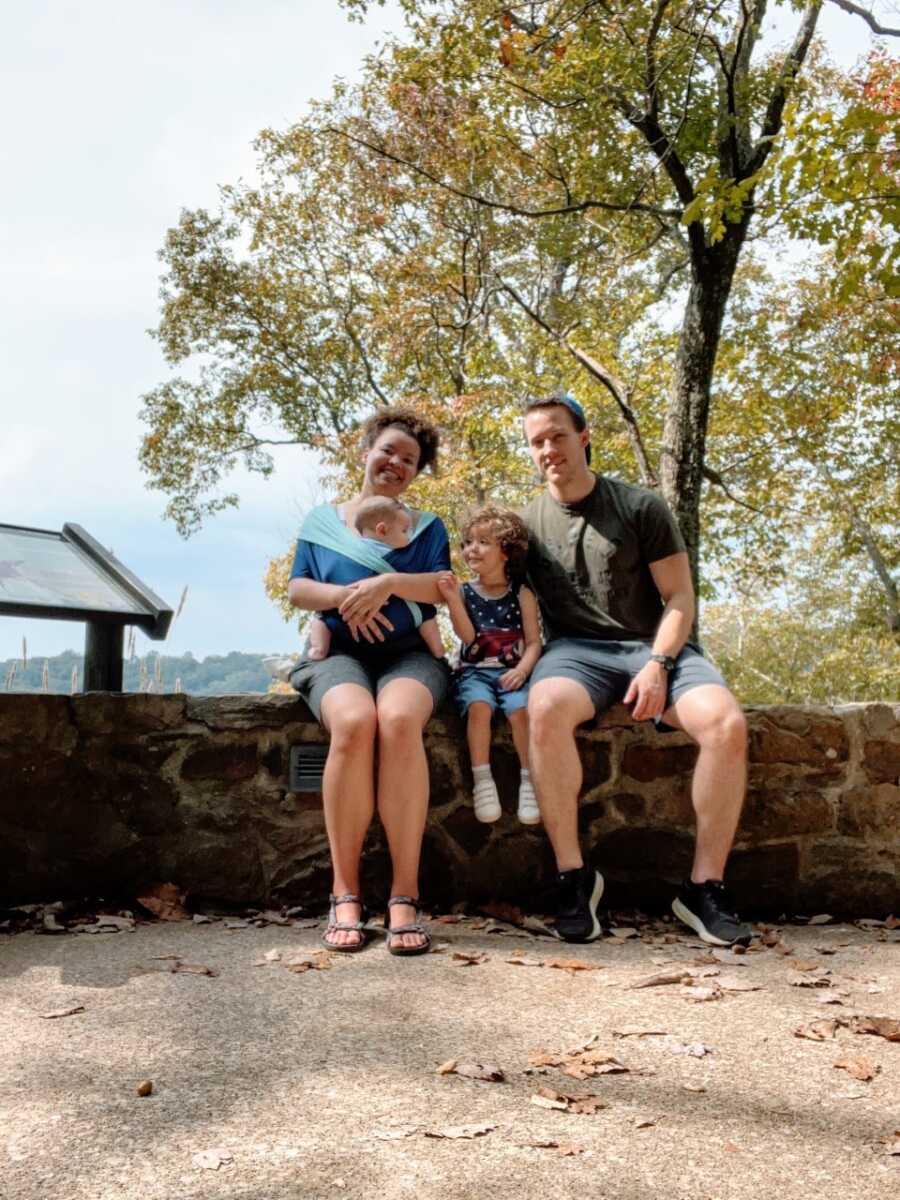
x: 216, y: 675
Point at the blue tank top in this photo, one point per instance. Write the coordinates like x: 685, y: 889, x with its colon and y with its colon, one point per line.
x: 499, y: 637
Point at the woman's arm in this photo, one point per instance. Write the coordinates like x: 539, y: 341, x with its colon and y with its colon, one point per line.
x: 310, y: 594
x: 517, y: 677
x: 451, y: 594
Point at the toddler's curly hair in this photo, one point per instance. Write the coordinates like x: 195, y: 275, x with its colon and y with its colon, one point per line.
x: 409, y: 422
x: 510, y: 531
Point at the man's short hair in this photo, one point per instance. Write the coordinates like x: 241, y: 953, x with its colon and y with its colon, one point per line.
x: 375, y: 509
x: 561, y: 400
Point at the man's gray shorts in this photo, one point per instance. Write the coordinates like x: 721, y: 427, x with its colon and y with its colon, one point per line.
x: 312, y: 679
x: 605, y: 669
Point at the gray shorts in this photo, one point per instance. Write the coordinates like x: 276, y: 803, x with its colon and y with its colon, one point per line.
x: 312, y: 679
x: 605, y: 669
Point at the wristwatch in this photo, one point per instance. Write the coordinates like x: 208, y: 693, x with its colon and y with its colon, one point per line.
x: 664, y: 660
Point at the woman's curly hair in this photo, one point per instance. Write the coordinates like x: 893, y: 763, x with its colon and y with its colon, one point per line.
x: 510, y: 531
x: 408, y: 421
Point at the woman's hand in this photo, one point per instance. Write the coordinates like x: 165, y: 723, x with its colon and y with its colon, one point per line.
x: 361, y: 608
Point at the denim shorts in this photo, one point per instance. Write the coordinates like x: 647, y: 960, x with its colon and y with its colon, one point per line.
x: 483, y: 683
x: 312, y: 679
x: 606, y: 668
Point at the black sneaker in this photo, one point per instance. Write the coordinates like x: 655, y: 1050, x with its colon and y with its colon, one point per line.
x: 709, y: 910
x: 579, y: 898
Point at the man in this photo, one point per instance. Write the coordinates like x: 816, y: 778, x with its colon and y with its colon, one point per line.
x: 612, y: 578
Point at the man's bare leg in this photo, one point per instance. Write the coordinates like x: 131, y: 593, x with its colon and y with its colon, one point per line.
x: 555, y: 708
x: 711, y: 717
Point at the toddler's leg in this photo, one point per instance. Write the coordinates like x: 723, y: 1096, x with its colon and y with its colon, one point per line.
x: 528, y: 811
x: 485, y: 799
x: 431, y: 636
x: 318, y: 640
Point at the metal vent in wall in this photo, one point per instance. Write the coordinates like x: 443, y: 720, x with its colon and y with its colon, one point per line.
x: 307, y: 765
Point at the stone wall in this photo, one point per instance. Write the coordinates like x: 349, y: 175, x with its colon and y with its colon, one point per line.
x: 103, y: 794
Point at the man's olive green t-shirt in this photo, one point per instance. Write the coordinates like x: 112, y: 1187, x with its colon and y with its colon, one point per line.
x: 588, y: 562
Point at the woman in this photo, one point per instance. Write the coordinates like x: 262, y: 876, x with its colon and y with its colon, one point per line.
x: 379, y: 681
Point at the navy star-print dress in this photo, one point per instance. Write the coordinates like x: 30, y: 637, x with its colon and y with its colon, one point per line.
x: 499, y: 636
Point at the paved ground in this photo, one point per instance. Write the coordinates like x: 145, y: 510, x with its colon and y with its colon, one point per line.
x: 301, y: 1078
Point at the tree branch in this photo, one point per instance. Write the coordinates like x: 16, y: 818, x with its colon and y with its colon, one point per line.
x: 486, y: 202
x: 858, y: 11
x: 612, y: 383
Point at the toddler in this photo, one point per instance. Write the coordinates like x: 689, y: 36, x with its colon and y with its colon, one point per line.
x: 385, y: 525
x: 496, y: 617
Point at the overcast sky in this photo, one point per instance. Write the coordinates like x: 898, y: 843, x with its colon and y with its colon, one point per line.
x: 117, y: 115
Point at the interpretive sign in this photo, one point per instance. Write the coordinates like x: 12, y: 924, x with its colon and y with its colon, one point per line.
x: 68, y: 576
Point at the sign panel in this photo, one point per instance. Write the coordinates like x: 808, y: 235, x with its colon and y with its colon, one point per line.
x: 43, y: 569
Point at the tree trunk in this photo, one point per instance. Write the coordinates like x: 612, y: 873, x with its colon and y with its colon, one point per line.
x: 683, y: 452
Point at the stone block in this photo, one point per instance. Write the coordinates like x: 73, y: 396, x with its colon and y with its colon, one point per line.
x: 881, y: 761
x: 872, y: 811
x: 851, y: 879
x: 778, y: 808
x: 763, y: 879
x: 105, y: 714
x: 226, y: 763
x: 271, y: 711
x: 802, y: 736
x: 35, y: 720
x: 646, y: 763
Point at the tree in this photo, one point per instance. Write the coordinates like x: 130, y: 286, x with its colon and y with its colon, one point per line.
x: 510, y: 203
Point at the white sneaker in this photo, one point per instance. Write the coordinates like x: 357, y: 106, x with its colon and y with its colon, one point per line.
x: 280, y: 667
x: 529, y: 813
x: 486, y: 801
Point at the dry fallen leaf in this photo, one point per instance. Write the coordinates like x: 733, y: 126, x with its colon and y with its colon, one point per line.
x: 54, y: 1013
x: 572, y: 965
x: 593, y: 1062
x: 858, y: 1067
x: 565, y: 1149
x: 584, y: 1103
x: 892, y: 1143
x: 465, y: 958
x: 145, y: 1087
x: 693, y: 1050
x: 399, y: 1131
x: 817, y: 1031
x: 470, y: 1069
x: 699, y: 995
x: 820, y: 919
x: 733, y: 983
x: 803, y: 964
x: 644, y: 1122
x: 693, y: 1087
x: 623, y: 932
x: 637, y: 1031
x: 270, y: 956
x: 886, y: 1027
x: 809, y: 979
x: 183, y: 968
x: 504, y: 912
x: 165, y: 901
x: 661, y: 979
x: 299, y: 964
x: 520, y: 960
x: 211, y: 1160
x: 459, y: 1131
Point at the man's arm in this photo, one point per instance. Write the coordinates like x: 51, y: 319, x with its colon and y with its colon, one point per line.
x: 648, y: 689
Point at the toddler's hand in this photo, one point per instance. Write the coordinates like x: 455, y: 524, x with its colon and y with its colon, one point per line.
x: 512, y: 680
x: 448, y: 584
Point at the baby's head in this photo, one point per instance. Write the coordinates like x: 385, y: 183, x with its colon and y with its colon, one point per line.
x: 384, y: 519
x: 490, y: 535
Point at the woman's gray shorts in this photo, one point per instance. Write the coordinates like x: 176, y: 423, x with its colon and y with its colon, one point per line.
x: 312, y: 679
x: 605, y: 668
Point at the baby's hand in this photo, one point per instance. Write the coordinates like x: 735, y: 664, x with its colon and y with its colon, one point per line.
x: 448, y: 584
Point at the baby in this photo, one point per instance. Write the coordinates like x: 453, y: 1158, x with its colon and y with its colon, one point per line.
x: 496, y: 617
x: 385, y: 525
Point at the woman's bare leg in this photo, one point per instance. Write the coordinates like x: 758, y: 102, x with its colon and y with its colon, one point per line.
x: 348, y: 713
x: 403, y: 708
